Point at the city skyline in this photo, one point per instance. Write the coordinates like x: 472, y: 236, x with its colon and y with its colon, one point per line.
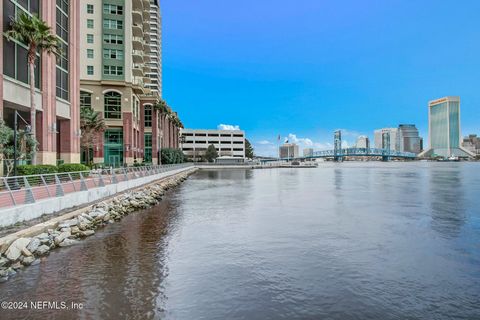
x: 304, y: 70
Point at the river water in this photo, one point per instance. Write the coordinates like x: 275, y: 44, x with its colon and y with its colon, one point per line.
x: 342, y: 241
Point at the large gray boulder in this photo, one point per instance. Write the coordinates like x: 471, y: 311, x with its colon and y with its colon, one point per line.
x: 3, y: 261
x: 68, y: 242
x: 68, y: 223
x: 62, y: 236
x: 43, y: 249
x: 16, y: 249
x: 33, y: 245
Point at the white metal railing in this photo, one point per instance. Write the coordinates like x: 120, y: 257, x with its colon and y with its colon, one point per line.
x: 29, y: 189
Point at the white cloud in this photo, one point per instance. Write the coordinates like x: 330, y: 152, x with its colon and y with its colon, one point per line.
x: 323, y: 146
x: 268, y: 148
x: 302, y: 141
x: 349, y: 133
x: 264, y: 142
x: 228, y: 127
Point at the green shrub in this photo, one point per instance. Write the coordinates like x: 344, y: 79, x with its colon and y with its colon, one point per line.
x: 72, y: 167
x: 171, y: 156
x: 137, y: 164
x: 28, y: 169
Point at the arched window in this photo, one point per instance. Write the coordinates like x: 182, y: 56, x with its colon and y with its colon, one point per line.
x: 113, y: 105
x: 85, y: 99
x: 148, y: 115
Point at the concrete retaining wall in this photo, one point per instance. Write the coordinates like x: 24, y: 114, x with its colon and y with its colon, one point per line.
x: 10, y: 216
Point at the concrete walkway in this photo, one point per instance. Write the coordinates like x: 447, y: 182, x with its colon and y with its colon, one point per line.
x: 24, y: 212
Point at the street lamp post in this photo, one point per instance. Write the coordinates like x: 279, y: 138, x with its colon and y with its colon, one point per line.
x: 28, y: 130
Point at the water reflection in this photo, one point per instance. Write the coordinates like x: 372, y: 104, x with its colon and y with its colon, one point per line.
x: 344, y: 241
x: 447, y: 200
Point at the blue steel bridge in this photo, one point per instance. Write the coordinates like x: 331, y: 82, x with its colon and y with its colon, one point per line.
x: 386, y: 154
x: 339, y: 153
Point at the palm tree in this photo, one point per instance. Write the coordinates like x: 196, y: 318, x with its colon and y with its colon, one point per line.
x: 162, y: 106
x: 37, y: 35
x: 91, y: 123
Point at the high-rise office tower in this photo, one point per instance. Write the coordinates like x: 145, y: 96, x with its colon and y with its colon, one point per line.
x: 409, y: 139
x: 444, y: 129
x: 363, y: 142
x: 391, y: 142
x: 288, y: 151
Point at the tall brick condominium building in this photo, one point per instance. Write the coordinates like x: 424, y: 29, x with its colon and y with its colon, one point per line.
x: 121, y: 77
x: 57, y: 80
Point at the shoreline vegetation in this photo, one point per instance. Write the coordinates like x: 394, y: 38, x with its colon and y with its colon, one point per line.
x: 26, y: 251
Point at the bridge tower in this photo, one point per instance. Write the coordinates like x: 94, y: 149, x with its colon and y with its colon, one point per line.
x: 337, y: 147
x: 386, y: 146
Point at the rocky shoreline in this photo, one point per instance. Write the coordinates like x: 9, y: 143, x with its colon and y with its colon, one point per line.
x: 24, y: 252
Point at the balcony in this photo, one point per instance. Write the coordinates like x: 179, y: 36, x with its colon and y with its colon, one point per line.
x: 137, y: 17
x: 146, y: 36
x: 138, y: 85
x: 137, y: 70
x: 137, y: 30
x: 137, y: 5
x: 147, y: 80
x: 137, y: 56
x: 146, y: 5
x: 137, y: 43
x: 146, y: 26
x: 146, y: 58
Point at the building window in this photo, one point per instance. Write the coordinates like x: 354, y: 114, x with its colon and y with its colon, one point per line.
x: 113, y: 39
x: 90, y: 8
x: 90, y: 53
x: 62, y: 5
x: 89, y: 38
x: 113, y: 137
x: 136, y: 110
x: 31, y: 6
x: 62, y: 29
x: 113, y: 105
x: 148, y: 115
x: 85, y: 99
x: 16, y: 65
x: 112, y: 9
x: 113, y: 24
x: 113, y: 54
x: 148, y: 148
x: 113, y: 70
x: 90, y: 70
x: 90, y: 23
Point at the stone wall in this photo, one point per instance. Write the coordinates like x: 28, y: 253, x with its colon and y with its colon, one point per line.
x: 28, y: 247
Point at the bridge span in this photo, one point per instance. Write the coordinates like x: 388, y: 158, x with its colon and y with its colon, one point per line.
x: 339, y: 153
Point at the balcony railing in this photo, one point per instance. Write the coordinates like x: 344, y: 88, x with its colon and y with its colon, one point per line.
x: 21, y: 190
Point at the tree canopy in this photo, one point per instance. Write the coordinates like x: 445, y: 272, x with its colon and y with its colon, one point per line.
x: 248, y: 149
x: 211, y: 154
x: 91, y: 123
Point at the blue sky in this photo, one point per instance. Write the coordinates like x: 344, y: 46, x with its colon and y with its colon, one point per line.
x: 307, y: 67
